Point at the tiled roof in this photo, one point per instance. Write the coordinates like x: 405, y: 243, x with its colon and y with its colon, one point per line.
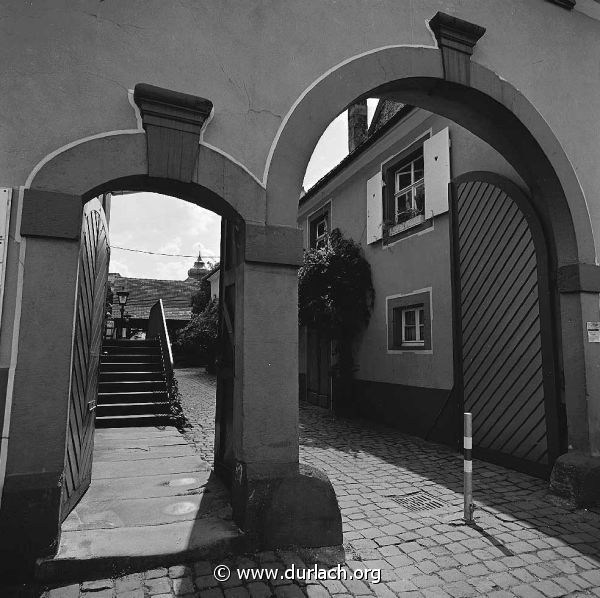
x: 208, y: 275
x: 385, y: 111
x: 145, y: 292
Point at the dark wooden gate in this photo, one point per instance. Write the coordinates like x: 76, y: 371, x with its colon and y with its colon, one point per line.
x: 232, y: 244
x: 87, y: 343
x: 505, y: 342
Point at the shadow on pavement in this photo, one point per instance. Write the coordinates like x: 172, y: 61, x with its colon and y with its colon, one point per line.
x: 393, y: 464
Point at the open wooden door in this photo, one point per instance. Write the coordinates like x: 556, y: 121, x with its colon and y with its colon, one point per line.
x: 506, y: 347
x: 231, y: 258
x: 318, y: 369
x: 87, y: 343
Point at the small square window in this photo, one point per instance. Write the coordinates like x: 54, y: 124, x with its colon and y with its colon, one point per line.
x: 409, y: 322
x: 412, y: 325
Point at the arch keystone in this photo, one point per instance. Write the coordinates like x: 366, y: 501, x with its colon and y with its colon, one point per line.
x: 173, y: 122
x: 456, y: 39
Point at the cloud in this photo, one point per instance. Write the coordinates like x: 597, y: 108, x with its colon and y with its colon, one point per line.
x: 158, y: 223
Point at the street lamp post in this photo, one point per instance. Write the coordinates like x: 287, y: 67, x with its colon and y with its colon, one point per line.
x: 122, y: 296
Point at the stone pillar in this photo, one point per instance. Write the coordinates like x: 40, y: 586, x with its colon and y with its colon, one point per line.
x: 30, y: 510
x: 576, y: 474
x: 277, y: 501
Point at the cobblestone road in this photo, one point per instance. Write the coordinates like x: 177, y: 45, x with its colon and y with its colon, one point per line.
x: 401, y: 505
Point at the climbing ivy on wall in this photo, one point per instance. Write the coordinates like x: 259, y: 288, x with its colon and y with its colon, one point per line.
x: 336, y: 295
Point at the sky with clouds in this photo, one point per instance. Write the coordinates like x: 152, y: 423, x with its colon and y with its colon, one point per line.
x: 162, y: 224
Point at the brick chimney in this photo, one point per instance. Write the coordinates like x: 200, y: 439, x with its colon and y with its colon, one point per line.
x: 357, y: 124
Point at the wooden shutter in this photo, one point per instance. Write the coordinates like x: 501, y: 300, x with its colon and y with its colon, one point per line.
x: 374, y: 209
x: 436, y: 153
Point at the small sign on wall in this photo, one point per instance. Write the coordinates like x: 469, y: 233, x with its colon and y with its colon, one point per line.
x: 593, y: 330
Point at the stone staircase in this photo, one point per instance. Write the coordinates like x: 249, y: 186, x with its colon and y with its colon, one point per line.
x: 132, y: 390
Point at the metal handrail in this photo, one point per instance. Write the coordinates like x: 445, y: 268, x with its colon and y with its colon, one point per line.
x: 157, y: 329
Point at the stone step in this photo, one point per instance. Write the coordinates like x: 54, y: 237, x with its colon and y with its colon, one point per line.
x: 132, y: 386
x: 131, y: 343
x: 130, y: 358
x: 124, y: 421
x: 137, y: 366
x: 131, y: 376
x: 98, y: 553
x: 130, y: 350
x: 144, y: 396
x: 113, y: 409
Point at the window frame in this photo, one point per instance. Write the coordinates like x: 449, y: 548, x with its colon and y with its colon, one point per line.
x: 389, y: 170
x: 322, y: 214
x: 397, y: 306
x: 419, y: 339
x: 410, y: 189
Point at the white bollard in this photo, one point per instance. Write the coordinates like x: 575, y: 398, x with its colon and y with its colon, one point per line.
x: 468, y: 467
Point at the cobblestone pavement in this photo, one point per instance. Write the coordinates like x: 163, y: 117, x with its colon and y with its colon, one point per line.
x: 401, y: 504
x: 198, y: 391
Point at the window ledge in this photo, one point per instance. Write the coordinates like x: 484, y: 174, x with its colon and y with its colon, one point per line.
x: 399, y: 228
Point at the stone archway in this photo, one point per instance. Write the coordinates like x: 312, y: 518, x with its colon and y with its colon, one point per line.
x: 490, y: 107
x: 260, y: 462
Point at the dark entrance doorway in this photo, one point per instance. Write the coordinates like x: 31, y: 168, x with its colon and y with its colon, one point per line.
x: 318, y: 368
x: 505, y: 352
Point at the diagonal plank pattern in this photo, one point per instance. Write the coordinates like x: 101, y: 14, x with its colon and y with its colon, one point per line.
x: 87, y: 341
x: 500, y: 328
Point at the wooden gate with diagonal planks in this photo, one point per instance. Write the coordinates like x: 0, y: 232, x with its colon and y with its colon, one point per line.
x: 87, y: 342
x: 505, y: 342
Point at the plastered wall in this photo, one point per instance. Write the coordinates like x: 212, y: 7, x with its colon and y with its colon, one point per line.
x: 419, y: 261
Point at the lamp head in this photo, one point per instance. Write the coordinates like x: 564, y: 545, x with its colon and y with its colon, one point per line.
x: 122, y: 296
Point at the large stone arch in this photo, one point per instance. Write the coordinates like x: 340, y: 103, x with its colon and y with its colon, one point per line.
x: 501, y: 115
x: 490, y: 107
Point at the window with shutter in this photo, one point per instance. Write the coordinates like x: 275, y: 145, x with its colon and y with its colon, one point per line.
x: 416, y: 185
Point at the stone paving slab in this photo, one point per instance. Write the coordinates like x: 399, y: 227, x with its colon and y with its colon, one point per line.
x: 126, y: 442
x: 139, y: 513
x: 138, y: 453
x: 137, y: 432
x: 148, y: 486
x: 158, y: 466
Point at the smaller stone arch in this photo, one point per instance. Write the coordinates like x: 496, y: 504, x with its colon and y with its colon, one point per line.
x: 118, y: 161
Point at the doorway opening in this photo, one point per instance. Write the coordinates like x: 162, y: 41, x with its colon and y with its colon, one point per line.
x: 143, y: 407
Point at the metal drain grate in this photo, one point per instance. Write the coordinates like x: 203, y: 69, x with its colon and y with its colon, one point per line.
x: 418, y: 501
